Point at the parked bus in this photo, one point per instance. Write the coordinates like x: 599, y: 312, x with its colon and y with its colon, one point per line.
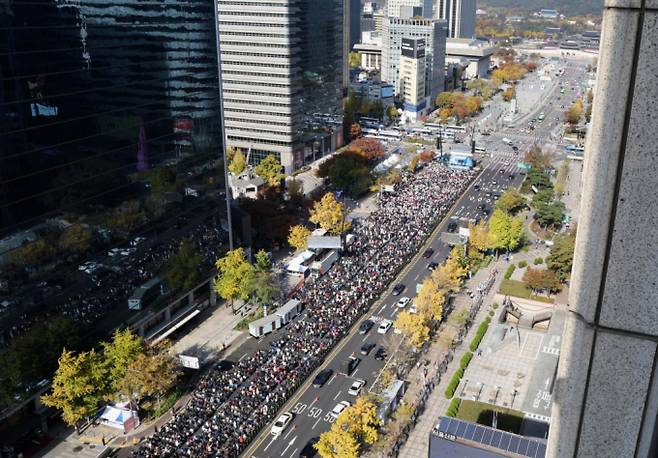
x: 370, y: 122
x: 574, y: 149
x: 145, y: 294
x: 369, y: 131
x: 434, y: 127
x: 456, y: 129
x: 390, y: 134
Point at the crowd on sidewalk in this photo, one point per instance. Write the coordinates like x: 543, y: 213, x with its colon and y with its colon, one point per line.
x: 229, y: 407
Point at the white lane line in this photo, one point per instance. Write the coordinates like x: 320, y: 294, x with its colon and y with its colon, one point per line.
x: 354, y: 373
x: 382, y: 309
x: 294, y: 453
x: 289, y: 444
x: 364, y: 338
x: 337, y: 394
x: 291, y: 429
x: 331, y: 379
x: 316, y: 422
x: 268, y: 445
x: 242, y: 357
x: 393, y: 313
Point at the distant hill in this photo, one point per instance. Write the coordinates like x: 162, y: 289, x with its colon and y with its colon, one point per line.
x: 566, y: 7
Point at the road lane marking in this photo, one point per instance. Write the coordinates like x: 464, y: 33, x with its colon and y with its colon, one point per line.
x: 268, y: 445
x: 316, y: 423
x: 337, y: 394
x: 294, y: 452
x: 291, y: 429
x: 331, y: 379
x: 364, y: 338
x: 382, y: 309
x: 289, y: 444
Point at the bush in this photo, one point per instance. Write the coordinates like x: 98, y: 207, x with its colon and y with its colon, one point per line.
x: 463, y: 363
x: 522, y: 264
x: 491, y: 313
x: 479, y: 334
x: 495, y: 305
x: 539, y: 261
x: 510, y: 270
x: 525, y: 249
x: 453, y: 408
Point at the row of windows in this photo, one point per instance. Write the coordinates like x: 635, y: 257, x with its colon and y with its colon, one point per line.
x: 252, y: 3
x: 256, y: 112
x: 258, y: 94
x: 254, y: 83
x: 257, y: 121
x: 254, y: 64
x: 258, y: 131
x: 257, y: 102
x: 255, y: 54
x: 259, y: 140
x: 259, y: 45
x: 259, y: 35
x: 251, y: 13
x: 261, y: 75
x: 252, y: 24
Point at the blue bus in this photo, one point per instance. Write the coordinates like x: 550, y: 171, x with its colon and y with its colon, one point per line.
x: 574, y: 149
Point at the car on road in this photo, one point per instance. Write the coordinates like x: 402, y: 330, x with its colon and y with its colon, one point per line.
x: 402, y: 303
x: 309, y: 451
x: 367, y: 348
x: 428, y: 253
x: 384, y: 326
x: 452, y: 226
x: 355, y: 389
x: 412, y: 308
x: 380, y: 354
x: 397, y: 289
x: 342, y: 405
x: 511, y: 177
x: 281, y: 423
x: 349, y: 365
x: 365, y: 327
x: 432, y: 265
x: 476, y: 187
x: 322, y: 377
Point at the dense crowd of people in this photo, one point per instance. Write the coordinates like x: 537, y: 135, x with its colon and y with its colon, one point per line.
x: 113, y: 287
x: 229, y: 407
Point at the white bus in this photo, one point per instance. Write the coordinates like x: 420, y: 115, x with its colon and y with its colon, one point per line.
x: 456, y: 129
x: 434, y: 127
x: 390, y: 134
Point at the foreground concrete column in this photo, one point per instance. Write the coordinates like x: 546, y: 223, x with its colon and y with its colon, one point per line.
x: 606, y: 399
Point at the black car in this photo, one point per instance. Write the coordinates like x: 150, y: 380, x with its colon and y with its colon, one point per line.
x: 476, y: 187
x: 322, y: 377
x: 511, y: 177
x: 428, y: 253
x: 515, y: 148
x: 397, y: 289
x: 486, y: 211
x: 432, y: 265
x: 365, y: 327
x: 308, y: 451
x: 367, y: 348
x: 380, y: 354
x: 481, y: 207
x: 452, y: 226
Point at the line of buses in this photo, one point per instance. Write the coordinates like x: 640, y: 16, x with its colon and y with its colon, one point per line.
x: 374, y: 129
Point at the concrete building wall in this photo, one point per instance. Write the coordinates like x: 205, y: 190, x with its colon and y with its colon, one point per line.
x: 460, y: 15
x: 606, y: 399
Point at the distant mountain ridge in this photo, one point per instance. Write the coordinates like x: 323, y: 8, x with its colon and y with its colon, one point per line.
x: 566, y: 7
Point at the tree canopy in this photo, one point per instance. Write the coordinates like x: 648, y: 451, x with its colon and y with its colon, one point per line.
x: 560, y: 259
x: 235, y: 276
x: 183, y: 270
x: 356, y: 426
x: 510, y: 201
x: 75, y: 239
x: 298, y: 237
x: 330, y: 215
x: 270, y: 170
x: 506, y: 231
x: 238, y: 162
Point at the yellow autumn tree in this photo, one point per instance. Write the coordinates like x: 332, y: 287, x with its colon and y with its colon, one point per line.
x: 298, y: 237
x: 330, y: 215
x: 430, y: 300
x: 414, y: 327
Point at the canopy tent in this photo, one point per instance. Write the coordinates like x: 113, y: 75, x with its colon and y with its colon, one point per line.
x: 120, y: 417
x: 296, y: 264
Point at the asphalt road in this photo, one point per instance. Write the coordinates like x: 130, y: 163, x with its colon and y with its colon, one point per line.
x: 311, y: 406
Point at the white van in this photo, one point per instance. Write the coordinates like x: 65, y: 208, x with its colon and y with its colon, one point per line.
x: 507, y: 141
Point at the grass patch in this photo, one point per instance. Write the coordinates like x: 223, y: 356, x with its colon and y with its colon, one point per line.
x: 522, y: 264
x: 478, y: 412
x: 519, y: 289
x: 243, y: 325
x: 539, y: 261
x: 510, y: 270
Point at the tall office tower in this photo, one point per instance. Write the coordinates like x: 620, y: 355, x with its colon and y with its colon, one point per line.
x: 460, y: 15
x: 433, y: 31
x: 96, y: 90
x: 282, y: 71
x: 393, y: 7
x: 412, y: 77
x: 354, y: 9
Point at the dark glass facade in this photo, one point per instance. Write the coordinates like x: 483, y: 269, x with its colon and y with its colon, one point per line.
x: 96, y: 91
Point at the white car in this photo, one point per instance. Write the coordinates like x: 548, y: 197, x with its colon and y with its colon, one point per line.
x: 402, y: 303
x: 355, y: 389
x: 281, y: 423
x: 413, y: 309
x: 384, y: 326
x: 342, y: 405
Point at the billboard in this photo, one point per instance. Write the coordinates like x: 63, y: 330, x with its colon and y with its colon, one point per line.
x: 387, y: 91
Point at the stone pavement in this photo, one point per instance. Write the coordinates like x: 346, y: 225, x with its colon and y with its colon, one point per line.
x: 418, y: 442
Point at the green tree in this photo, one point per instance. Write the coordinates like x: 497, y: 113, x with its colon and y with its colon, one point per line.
x: 235, y: 276
x: 298, y: 237
x: 164, y: 180
x: 355, y: 59
x: 118, y: 354
x: 238, y: 163
x: 75, y: 239
x: 153, y: 373
x: 364, y: 108
x: 543, y: 197
x: 126, y: 217
x: 377, y: 109
x: 263, y: 292
x: 183, y: 271
x: 263, y: 261
x: 270, y: 170
x: 392, y: 113
x: 479, y: 239
x: 539, y: 179
x: 78, y: 387
x: 538, y: 158
x: 560, y: 259
x: 32, y: 254
x: 506, y: 231
x: 510, y: 201
x: 330, y: 215
x: 551, y: 214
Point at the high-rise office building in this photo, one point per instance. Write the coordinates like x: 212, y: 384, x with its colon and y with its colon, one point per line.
x: 433, y: 31
x: 460, y: 15
x: 393, y: 7
x: 93, y: 91
x: 282, y: 64
x: 412, y: 77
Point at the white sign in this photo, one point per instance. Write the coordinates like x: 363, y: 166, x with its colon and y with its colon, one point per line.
x: 464, y: 232
x: 189, y: 361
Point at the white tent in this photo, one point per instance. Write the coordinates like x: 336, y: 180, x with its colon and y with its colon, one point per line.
x: 296, y: 264
x: 120, y: 416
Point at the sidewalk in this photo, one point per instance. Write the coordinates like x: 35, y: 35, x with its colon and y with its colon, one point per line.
x: 417, y: 444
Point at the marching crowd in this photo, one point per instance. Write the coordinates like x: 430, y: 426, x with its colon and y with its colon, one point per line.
x: 113, y: 286
x: 230, y: 406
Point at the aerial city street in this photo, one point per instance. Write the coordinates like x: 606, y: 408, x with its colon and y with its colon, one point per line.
x: 289, y: 228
